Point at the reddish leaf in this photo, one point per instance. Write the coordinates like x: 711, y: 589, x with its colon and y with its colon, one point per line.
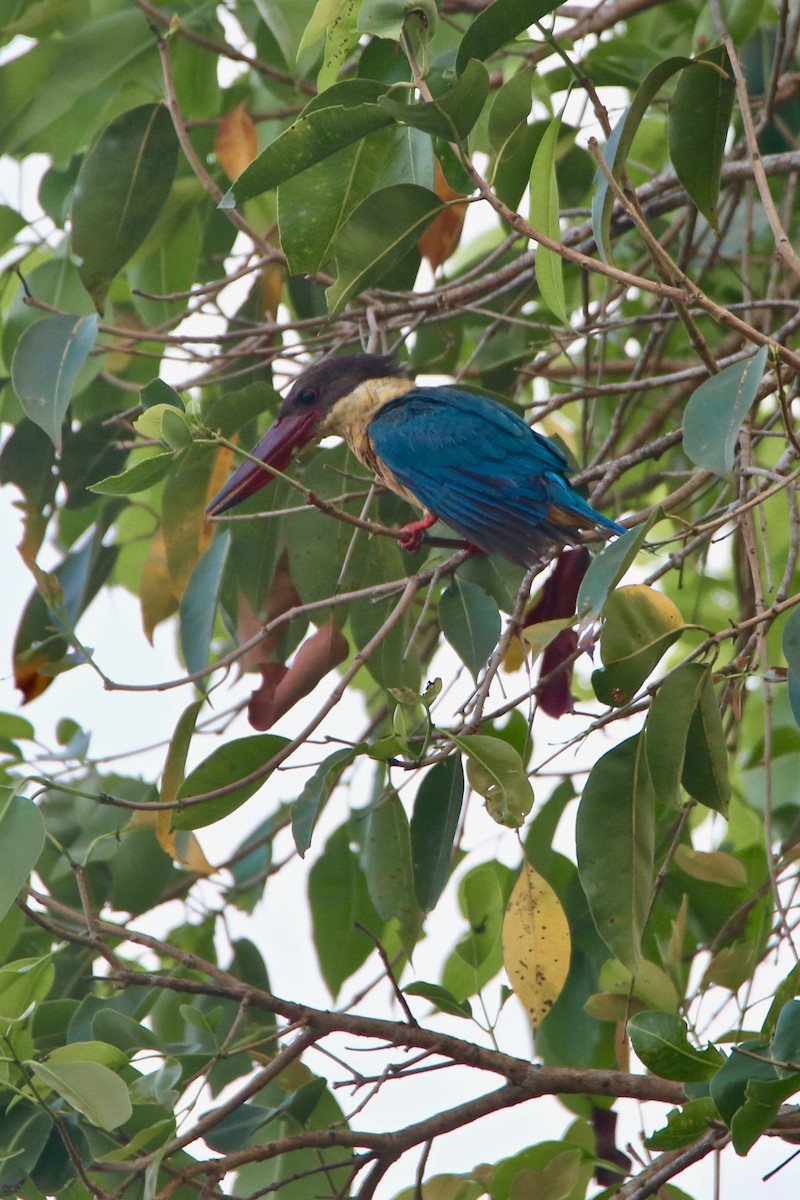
x: 281, y: 688
x: 442, y: 236
x: 556, y: 600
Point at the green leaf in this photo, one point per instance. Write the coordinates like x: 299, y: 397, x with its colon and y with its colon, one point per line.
x: 440, y: 998
x: 786, y: 1039
x: 615, y: 840
x: 639, y: 626
x: 470, y: 620
x: 496, y: 772
x: 386, y: 862
x: 90, y: 1088
x: 387, y: 18
x: 377, y: 237
x: 667, y: 728
x: 715, y: 412
x: 618, y: 147
x: 791, y: 651
x: 23, y: 983
x: 544, y: 215
x: 698, y: 120
x: 510, y: 109
x: 314, y: 796
x: 47, y: 359
x: 25, y: 1130
x: 684, y: 1125
x: 661, y: 1042
x: 450, y: 116
x: 175, y: 766
x: 21, y: 843
x: 312, y: 206
x: 339, y: 897
x: 224, y: 768
x: 137, y: 478
x: 482, y: 897
x: 14, y: 726
x: 705, y: 768
x: 198, y: 607
x: 607, y: 568
x: 120, y: 190
x: 434, y: 824
x: 344, y: 113
x: 498, y: 24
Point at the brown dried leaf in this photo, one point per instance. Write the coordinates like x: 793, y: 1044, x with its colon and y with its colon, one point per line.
x: 236, y: 143
x: 442, y: 236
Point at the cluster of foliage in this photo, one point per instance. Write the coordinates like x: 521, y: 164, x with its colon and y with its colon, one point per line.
x: 228, y: 195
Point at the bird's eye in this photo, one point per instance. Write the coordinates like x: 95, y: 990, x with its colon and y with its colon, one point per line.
x: 307, y: 397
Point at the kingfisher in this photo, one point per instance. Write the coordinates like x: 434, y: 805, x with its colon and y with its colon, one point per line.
x: 462, y: 458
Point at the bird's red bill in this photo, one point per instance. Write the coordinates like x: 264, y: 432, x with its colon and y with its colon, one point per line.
x: 275, y: 449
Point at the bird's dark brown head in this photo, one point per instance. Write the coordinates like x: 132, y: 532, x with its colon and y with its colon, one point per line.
x: 308, y: 402
x: 321, y: 386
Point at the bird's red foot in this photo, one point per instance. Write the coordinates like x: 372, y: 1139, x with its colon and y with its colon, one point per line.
x: 410, y: 536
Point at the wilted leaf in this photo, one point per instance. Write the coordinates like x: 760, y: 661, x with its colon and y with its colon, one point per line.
x: 236, y: 143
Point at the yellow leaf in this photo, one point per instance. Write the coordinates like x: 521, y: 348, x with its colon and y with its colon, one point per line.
x: 157, y: 598
x: 536, y: 944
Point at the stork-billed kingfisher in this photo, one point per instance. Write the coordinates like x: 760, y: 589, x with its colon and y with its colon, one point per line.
x: 461, y: 458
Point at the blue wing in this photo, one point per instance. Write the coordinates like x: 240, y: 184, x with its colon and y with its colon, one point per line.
x: 483, y: 471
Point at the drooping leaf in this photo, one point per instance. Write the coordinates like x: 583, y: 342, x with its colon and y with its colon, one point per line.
x: 470, y: 620
x: 791, y: 650
x: 699, y: 115
x: 386, y: 862
x: 715, y: 411
x: 544, y: 215
x: 434, y: 823
x: 47, y: 359
x: 120, y: 190
x: 198, y: 607
x: 536, y: 944
x: 137, y: 478
x: 615, y: 835
x: 21, y: 840
x: 339, y: 899
x: 667, y: 728
x: 618, y: 146
x: 482, y: 896
x: 705, y: 768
